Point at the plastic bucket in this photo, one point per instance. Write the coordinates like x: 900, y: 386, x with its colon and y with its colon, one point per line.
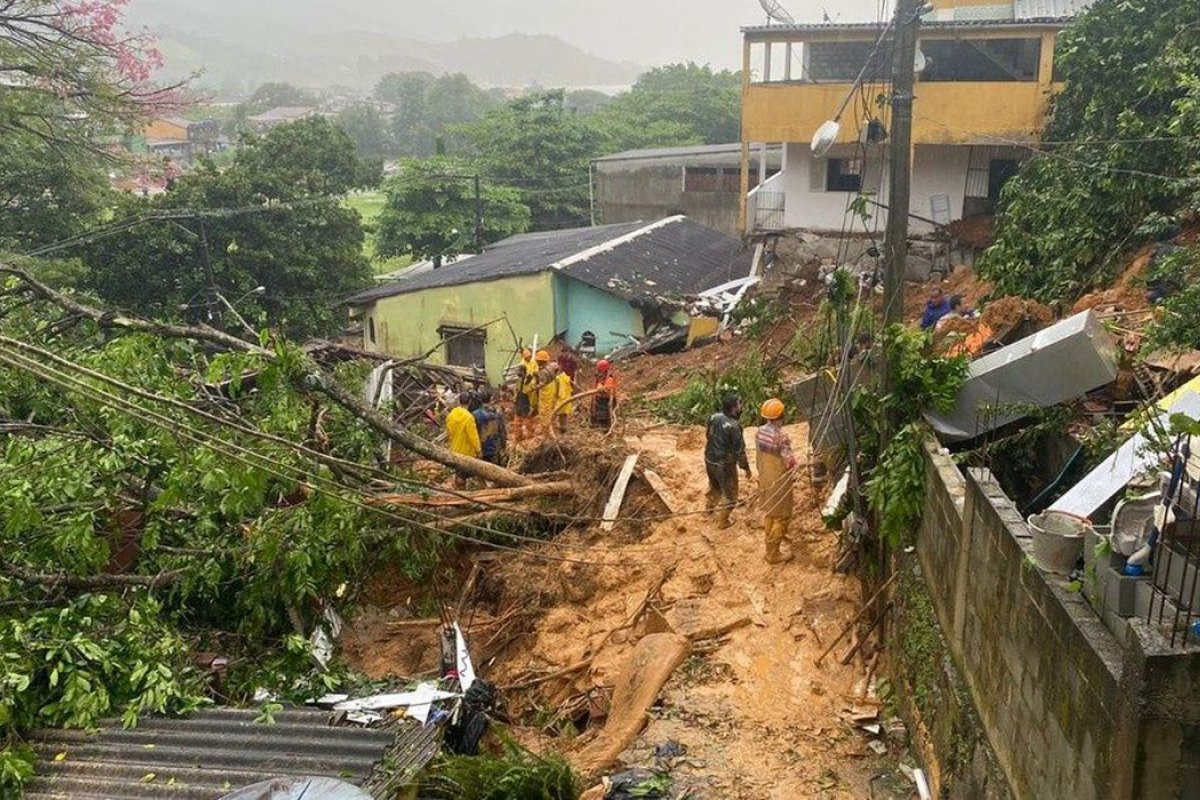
x: 1057, y: 540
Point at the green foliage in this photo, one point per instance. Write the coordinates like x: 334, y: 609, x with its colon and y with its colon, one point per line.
x: 289, y: 233
x: 676, y: 104
x: 47, y: 196
x: 1178, y: 326
x: 96, y: 656
x: 896, y: 488
x: 542, y: 148
x: 428, y: 108
x: 1125, y: 156
x: 919, y: 380
x: 369, y: 129
x: 278, y: 94
x: 430, y: 211
x: 516, y: 774
x: 252, y: 542
x: 754, y: 379
x: 16, y: 767
x: 760, y: 315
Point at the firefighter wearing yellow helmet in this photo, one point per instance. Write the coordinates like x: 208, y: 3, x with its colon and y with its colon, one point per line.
x: 776, y: 477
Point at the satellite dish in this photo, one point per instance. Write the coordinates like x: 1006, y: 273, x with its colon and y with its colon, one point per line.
x: 824, y: 138
x: 921, y: 61
x: 776, y: 12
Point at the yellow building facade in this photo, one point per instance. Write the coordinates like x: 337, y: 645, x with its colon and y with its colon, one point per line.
x: 984, y: 80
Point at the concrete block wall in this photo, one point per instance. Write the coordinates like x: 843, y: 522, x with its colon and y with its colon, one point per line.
x: 1052, y: 704
x: 1042, y: 672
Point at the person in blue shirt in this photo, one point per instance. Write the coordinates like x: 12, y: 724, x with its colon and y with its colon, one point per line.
x: 936, y: 307
x: 493, y: 432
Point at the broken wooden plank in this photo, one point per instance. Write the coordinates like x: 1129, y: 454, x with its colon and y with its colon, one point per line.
x: 660, y: 487
x: 613, y: 507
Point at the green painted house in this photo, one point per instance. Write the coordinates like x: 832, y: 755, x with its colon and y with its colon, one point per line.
x: 610, y: 280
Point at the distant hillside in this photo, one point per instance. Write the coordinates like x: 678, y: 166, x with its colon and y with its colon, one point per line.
x: 239, y: 45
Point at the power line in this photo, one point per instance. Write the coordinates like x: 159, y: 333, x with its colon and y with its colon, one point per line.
x: 1038, y: 148
x: 273, y: 467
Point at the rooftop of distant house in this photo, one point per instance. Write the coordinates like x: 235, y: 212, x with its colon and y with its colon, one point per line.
x: 688, y: 151
x: 1018, y: 14
x: 283, y: 113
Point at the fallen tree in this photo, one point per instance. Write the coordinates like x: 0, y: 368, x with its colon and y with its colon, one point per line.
x: 166, y: 488
x: 304, y: 372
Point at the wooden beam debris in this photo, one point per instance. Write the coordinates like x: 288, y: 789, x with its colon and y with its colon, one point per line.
x: 613, y: 507
x: 660, y: 487
x: 482, y: 497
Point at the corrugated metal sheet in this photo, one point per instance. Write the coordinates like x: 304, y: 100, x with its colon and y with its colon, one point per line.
x: 1049, y: 9
x: 214, y: 752
x: 781, y: 32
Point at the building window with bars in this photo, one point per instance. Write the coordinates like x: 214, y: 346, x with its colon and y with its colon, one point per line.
x: 701, y: 179
x: 465, y: 346
x: 843, y: 175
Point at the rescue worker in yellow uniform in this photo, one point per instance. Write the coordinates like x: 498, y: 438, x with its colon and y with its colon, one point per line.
x: 566, y: 390
x: 526, y: 401
x: 776, y: 478
x: 547, y: 390
x: 463, y: 434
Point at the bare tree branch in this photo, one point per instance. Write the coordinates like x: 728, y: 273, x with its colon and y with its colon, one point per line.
x: 90, y: 582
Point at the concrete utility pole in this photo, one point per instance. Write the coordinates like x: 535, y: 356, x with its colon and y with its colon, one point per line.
x: 907, y: 22
x: 904, y: 54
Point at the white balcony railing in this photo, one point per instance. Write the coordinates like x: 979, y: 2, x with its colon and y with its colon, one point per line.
x: 765, y: 206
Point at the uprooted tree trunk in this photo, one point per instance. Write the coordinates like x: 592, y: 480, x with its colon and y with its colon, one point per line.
x: 317, y: 380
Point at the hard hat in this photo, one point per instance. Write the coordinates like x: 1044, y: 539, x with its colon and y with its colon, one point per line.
x: 543, y: 357
x: 526, y: 352
x: 603, y: 366
x: 772, y: 409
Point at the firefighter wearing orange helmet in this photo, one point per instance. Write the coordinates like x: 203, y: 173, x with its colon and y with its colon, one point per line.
x: 776, y: 478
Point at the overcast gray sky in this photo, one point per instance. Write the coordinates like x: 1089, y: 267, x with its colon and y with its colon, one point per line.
x: 644, y: 31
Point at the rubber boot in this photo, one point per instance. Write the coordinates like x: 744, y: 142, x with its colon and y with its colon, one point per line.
x: 725, y: 517
x: 774, y: 536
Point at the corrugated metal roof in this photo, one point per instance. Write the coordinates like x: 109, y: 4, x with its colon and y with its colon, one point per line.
x: 214, y: 752
x: 524, y: 254
x: 673, y: 256
x: 1049, y: 9
x: 679, y: 152
x: 283, y: 113
x: 679, y: 259
x: 765, y: 31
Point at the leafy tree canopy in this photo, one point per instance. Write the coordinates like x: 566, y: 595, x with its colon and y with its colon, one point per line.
x: 1122, y: 157
x: 677, y: 104
x: 430, y: 211
x: 273, y: 219
x: 224, y: 540
x: 427, y: 106
x: 538, y: 146
x: 369, y: 129
x: 48, y: 196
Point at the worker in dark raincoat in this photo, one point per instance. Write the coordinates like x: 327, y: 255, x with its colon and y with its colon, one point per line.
x: 724, y: 452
